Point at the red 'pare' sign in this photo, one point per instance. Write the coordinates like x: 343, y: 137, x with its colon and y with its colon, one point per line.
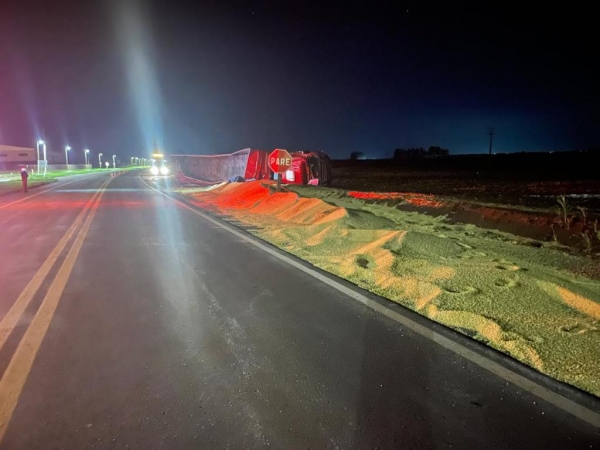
x: 280, y: 160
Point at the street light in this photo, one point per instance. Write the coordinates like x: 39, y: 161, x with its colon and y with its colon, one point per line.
x: 114, y: 162
x: 39, y: 142
x: 87, y: 159
x: 100, y: 160
x: 67, y: 148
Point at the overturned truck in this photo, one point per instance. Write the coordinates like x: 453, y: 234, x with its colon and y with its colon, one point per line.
x: 250, y: 164
x: 308, y: 168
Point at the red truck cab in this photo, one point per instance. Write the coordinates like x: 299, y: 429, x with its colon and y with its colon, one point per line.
x: 308, y: 168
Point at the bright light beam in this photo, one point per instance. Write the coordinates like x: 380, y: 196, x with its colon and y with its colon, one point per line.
x: 136, y: 46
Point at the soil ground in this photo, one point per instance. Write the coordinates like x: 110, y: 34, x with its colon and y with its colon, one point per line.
x: 515, y: 193
x: 524, y: 180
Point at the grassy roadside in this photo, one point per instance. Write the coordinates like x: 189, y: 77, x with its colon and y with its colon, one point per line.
x: 12, y: 186
x: 526, y: 301
x: 14, y: 183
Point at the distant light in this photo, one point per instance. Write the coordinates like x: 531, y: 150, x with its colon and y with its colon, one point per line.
x: 164, y: 170
x: 86, y: 150
x: 40, y: 142
x: 154, y: 170
x: 157, y: 155
x: 67, y: 148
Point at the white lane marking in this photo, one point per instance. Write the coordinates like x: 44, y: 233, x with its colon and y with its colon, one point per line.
x: 107, y: 190
x: 574, y: 408
x: 46, y: 191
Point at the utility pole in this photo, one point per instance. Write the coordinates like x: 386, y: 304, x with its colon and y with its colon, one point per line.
x: 491, y: 134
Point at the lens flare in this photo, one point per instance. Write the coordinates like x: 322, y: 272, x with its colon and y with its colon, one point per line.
x: 136, y: 47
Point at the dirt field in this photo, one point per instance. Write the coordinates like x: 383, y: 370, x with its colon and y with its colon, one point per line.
x: 530, y: 180
x: 515, y: 193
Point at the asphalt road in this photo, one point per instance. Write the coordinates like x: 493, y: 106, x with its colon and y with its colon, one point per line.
x: 153, y: 327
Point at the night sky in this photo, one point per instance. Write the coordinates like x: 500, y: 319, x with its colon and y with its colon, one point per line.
x: 215, y: 77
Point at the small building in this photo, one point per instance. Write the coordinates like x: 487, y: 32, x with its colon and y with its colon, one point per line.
x: 13, y: 158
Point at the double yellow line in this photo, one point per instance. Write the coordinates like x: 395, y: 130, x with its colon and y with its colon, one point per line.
x: 13, y: 380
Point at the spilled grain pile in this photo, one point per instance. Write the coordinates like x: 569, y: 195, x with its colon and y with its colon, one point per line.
x: 519, y: 299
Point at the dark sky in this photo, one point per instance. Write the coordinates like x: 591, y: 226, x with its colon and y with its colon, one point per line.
x: 214, y: 77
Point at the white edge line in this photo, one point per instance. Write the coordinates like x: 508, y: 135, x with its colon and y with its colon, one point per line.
x: 574, y: 408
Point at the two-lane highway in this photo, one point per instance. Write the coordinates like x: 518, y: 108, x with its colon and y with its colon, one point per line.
x: 32, y: 225
x: 146, y: 325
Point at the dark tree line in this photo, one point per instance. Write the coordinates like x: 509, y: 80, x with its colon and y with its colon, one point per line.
x: 420, y: 152
x: 411, y: 153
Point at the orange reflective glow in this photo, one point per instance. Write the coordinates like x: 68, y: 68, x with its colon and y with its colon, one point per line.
x: 234, y: 196
x: 410, y: 197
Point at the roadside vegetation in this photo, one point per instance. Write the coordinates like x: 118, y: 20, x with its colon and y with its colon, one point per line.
x: 14, y: 184
x: 10, y: 182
